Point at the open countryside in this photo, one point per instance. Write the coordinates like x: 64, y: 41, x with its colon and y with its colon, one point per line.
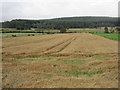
x: 74, y: 60
x: 74, y: 52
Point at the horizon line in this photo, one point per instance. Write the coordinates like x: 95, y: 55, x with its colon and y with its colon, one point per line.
x: 59, y: 17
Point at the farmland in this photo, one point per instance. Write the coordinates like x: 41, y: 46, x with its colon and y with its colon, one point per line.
x: 70, y: 60
x: 84, y: 31
x: 112, y: 36
x: 18, y: 34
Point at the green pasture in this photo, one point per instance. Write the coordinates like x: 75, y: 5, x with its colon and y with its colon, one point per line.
x: 113, y: 36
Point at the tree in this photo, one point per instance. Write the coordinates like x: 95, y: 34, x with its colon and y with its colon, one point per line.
x: 118, y: 29
x: 106, y: 30
x: 62, y: 30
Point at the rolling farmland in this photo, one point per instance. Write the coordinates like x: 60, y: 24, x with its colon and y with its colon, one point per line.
x: 76, y: 60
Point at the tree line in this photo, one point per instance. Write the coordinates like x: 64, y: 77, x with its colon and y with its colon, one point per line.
x: 62, y: 23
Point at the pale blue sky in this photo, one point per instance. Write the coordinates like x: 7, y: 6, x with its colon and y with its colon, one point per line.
x: 44, y: 9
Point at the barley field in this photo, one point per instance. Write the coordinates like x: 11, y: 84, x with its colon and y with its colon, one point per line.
x: 76, y: 60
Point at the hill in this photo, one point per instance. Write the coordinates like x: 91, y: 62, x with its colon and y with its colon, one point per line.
x: 65, y: 22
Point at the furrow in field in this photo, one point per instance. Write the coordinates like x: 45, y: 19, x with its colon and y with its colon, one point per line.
x: 60, y: 46
x: 67, y: 44
x: 91, y: 44
x: 38, y: 47
x: 98, y: 68
x: 24, y: 41
x: 79, y: 43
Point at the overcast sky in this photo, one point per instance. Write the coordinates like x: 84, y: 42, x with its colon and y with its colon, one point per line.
x: 44, y: 9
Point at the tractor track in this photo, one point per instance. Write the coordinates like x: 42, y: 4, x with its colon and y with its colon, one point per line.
x: 60, y: 46
x: 37, y: 41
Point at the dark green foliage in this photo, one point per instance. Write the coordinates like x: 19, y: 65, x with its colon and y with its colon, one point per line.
x: 18, y: 24
x: 71, y: 22
x: 31, y: 34
x: 13, y: 35
x: 62, y: 30
x: 48, y: 32
x: 106, y: 30
x: 118, y: 29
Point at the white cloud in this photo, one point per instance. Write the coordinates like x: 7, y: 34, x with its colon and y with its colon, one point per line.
x: 40, y: 9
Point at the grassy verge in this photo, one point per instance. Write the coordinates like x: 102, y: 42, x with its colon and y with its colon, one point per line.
x: 113, y: 36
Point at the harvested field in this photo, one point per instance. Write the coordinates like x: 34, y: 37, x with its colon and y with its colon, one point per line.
x: 77, y: 60
x: 88, y: 29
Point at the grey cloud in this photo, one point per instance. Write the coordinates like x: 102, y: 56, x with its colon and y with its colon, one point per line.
x: 41, y: 9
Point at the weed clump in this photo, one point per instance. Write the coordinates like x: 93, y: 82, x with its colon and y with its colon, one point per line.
x: 13, y: 35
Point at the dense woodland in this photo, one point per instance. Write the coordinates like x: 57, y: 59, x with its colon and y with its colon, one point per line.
x: 62, y: 23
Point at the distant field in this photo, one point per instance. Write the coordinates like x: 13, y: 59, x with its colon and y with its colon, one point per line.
x: 84, y: 31
x: 19, y: 34
x: 113, y: 36
x: 13, y: 30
